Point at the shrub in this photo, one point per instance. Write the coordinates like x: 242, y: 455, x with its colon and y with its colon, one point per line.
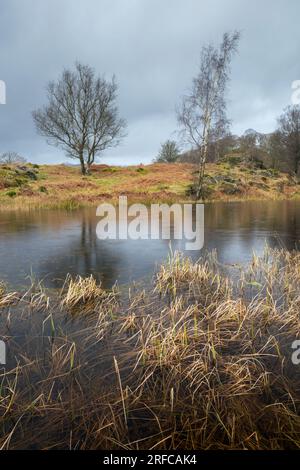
x: 141, y: 170
x: 233, y: 160
x: 11, y: 193
x: 230, y: 188
x: 169, y: 152
x: 207, y: 190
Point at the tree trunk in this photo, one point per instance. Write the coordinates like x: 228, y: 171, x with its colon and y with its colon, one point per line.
x: 201, y: 179
x: 90, y: 161
x: 83, y: 168
x: 88, y: 168
x: 203, y: 157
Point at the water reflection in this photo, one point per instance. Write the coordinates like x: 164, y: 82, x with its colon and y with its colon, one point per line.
x: 52, y: 243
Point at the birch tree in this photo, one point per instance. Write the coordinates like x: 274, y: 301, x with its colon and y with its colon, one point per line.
x: 81, y: 116
x: 203, y: 110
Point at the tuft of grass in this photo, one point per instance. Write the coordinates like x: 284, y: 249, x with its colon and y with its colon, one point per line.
x: 68, y: 190
x: 141, y: 169
x: 80, y: 291
x: 6, y: 298
x: 11, y: 193
x: 200, y: 360
x: 68, y: 205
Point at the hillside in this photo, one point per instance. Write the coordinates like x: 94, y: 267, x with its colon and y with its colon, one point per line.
x: 60, y: 186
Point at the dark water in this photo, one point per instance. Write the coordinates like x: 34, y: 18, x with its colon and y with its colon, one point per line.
x: 50, y: 244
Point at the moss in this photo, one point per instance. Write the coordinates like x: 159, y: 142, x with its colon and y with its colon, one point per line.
x: 233, y: 160
x: 110, y: 169
x: 15, y: 178
x: 270, y: 173
x: 207, y: 190
x: 11, y: 193
x: 141, y: 170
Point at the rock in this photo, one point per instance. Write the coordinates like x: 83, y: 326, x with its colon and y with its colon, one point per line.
x: 261, y: 185
x: 31, y: 174
x: 231, y: 188
x: 25, y: 171
x: 228, y: 179
x: 210, y: 179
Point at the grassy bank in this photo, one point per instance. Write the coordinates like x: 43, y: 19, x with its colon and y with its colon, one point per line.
x: 58, y: 186
x: 197, y: 362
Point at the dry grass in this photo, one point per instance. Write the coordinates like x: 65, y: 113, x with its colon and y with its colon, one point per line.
x: 63, y: 187
x: 199, y: 362
x: 6, y: 298
x: 84, y: 292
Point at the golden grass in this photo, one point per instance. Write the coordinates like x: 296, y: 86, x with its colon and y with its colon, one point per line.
x: 198, y: 362
x: 62, y: 187
x: 6, y: 298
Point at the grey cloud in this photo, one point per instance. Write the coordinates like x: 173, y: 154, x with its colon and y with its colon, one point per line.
x: 153, y: 48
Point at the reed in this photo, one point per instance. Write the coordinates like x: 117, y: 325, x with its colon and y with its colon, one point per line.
x: 200, y: 361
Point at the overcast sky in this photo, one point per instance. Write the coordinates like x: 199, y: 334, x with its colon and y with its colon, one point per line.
x: 153, y: 47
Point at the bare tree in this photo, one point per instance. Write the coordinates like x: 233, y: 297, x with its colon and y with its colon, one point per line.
x: 250, y: 144
x: 218, y: 136
x: 11, y: 158
x: 81, y: 115
x: 227, y: 143
x: 289, y: 133
x: 203, y: 111
x: 275, y: 151
x: 169, y: 152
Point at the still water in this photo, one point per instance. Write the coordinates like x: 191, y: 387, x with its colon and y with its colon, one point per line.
x: 50, y: 244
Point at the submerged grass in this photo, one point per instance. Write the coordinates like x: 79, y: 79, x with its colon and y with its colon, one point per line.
x: 198, y: 362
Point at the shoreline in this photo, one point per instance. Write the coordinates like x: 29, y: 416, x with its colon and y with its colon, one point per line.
x: 63, y: 187
x: 73, y: 205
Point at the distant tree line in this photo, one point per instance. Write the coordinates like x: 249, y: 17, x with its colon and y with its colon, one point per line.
x: 279, y: 150
x: 11, y: 158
